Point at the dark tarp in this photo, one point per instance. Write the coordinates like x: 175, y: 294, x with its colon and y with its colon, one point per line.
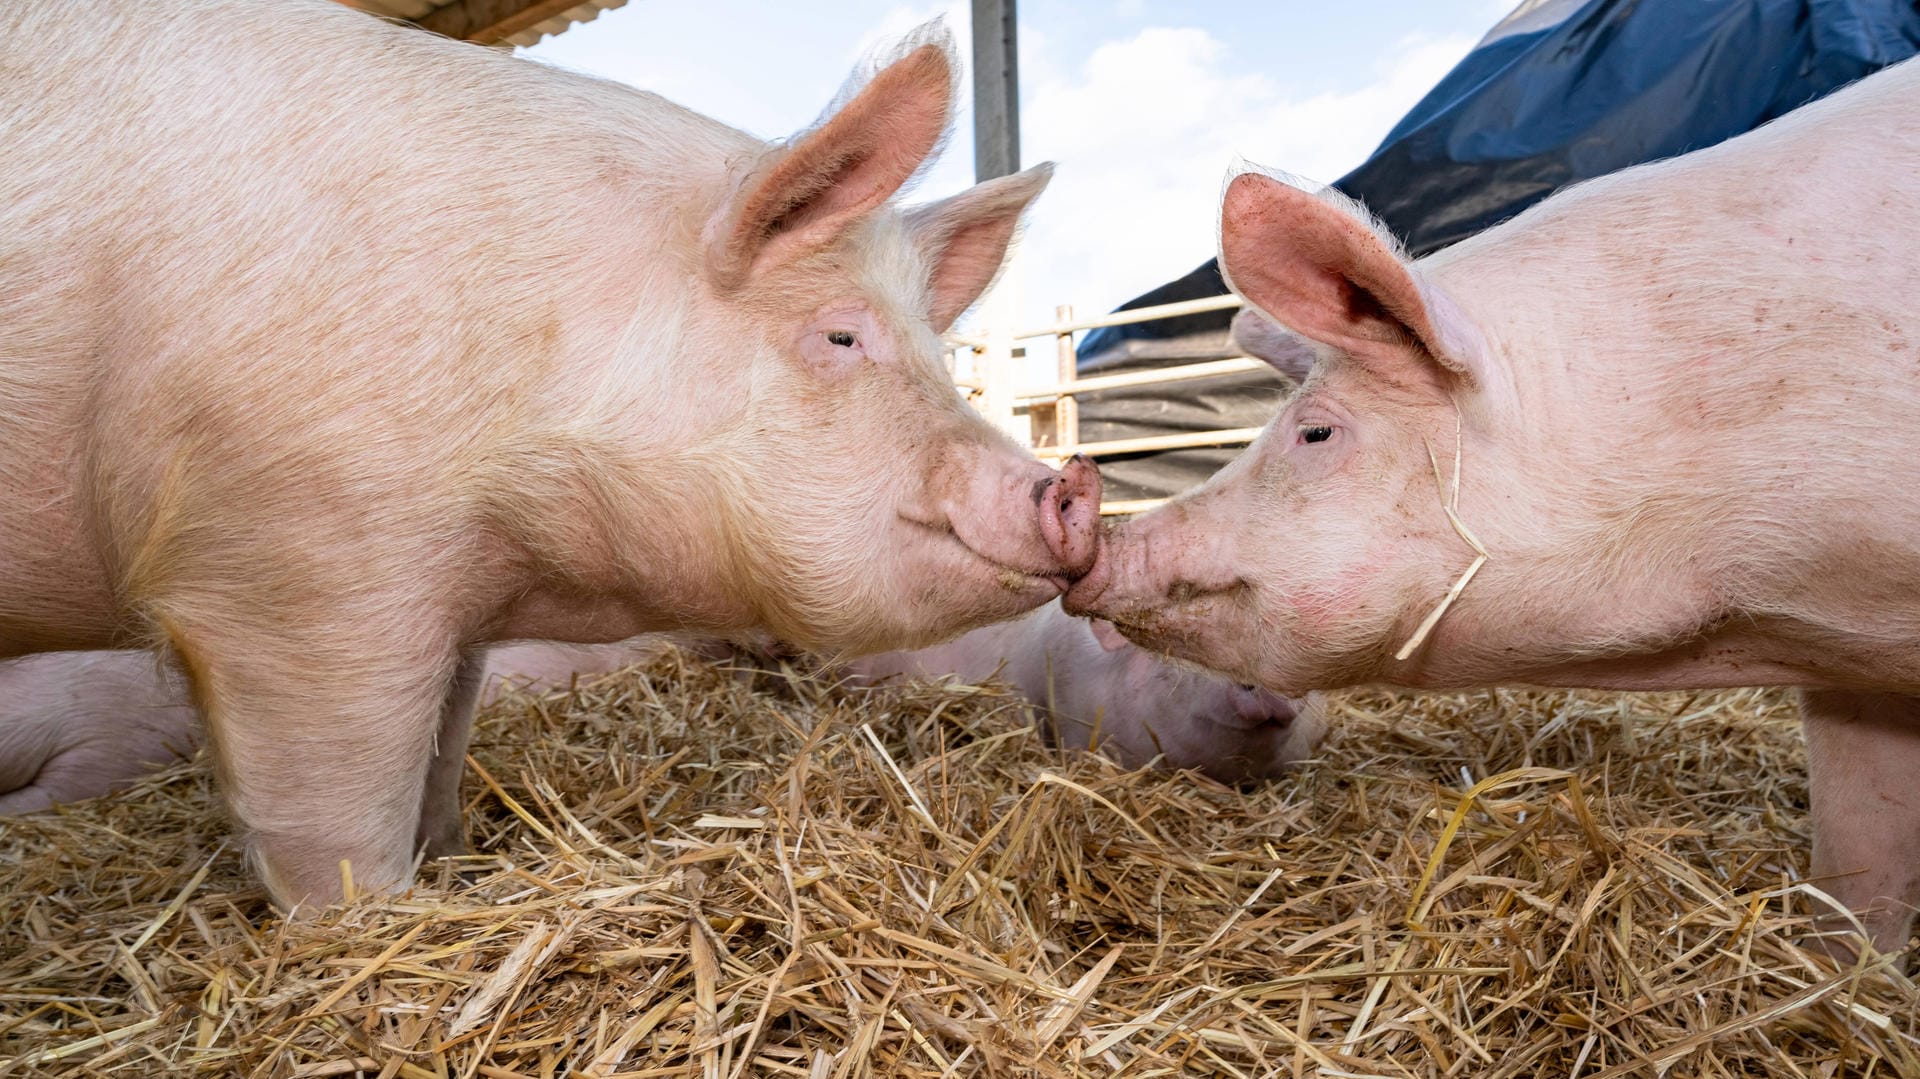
x: 1559, y: 91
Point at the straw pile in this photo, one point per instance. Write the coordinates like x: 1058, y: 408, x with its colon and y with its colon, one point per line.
x: 683, y: 872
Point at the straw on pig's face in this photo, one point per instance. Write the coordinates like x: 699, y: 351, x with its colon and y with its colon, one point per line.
x: 1276, y: 570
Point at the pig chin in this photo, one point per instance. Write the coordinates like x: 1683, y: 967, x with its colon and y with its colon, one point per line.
x: 958, y: 586
x: 1212, y: 629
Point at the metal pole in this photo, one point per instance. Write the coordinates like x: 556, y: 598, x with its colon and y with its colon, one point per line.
x: 996, y: 90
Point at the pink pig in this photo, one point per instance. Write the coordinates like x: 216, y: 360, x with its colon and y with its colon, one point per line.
x: 331, y: 351
x: 1090, y: 686
x: 1657, y: 432
x: 76, y: 725
x: 1093, y: 687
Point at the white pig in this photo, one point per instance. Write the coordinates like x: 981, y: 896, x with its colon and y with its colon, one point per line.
x: 1089, y: 685
x: 1681, y: 405
x: 331, y: 350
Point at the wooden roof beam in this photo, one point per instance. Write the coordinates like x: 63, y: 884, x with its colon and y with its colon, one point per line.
x: 489, y: 22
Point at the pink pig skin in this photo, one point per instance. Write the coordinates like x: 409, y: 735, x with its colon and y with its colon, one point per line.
x: 331, y: 351
x: 76, y: 725
x: 1682, y: 404
x: 1095, y: 687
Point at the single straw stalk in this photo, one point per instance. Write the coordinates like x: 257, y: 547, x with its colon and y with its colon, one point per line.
x: 1450, y: 502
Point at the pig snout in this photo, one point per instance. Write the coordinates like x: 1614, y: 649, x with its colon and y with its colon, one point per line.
x: 1019, y: 518
x: 1083, y: 598
x: 1069, y: 505
x: 1257, y: 734
x: 1252, y: 708
x: 1165, y: 580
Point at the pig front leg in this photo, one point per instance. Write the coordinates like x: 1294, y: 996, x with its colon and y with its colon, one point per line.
x: 1863, y: 757
x: 323, y: 735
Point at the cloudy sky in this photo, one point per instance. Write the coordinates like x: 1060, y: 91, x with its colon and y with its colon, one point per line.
x: 1142, y: 104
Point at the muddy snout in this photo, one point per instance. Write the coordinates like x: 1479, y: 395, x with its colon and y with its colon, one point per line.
x: 1069, y: 505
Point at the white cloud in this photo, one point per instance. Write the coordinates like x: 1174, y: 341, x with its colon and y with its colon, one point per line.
x: 1143, y: 132
x: 1142, y: 124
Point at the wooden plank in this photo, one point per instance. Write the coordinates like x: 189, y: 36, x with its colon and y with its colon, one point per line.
x: 996, y: 90
x: 488, y: 22
x: 1234, y: 436
x: 1066, y: 411
x: 1152, y: 376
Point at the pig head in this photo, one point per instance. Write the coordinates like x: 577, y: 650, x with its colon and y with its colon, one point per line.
x: 799, y: 462
x: 1092, y: 688
x: 1601, y: 433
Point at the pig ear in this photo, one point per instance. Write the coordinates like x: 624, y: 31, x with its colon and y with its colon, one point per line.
x: 803, y: 196
x: 1108, y: 635
x: 965, y: 239
x: 1264, y: 339
x: 1323, y: 271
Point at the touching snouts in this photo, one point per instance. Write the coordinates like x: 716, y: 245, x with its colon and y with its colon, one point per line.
x: 1069, y: 504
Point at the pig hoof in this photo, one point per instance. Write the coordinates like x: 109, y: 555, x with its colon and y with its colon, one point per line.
x: 1847, y: 949
x: 446, y: 847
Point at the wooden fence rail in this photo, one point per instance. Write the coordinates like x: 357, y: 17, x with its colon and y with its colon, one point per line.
x: 1052, y: 409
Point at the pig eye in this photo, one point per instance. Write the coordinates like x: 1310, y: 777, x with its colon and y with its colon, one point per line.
x: 1315, y: 432
x: 843, y: 338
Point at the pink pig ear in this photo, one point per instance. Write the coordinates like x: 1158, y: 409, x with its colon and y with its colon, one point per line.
x: 803, y: 196
x: 1323, y: 271
x: 1264, y: 339
x: 1108, y: 635
x: 965, y: 239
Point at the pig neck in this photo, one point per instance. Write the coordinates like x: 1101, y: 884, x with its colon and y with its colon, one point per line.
x: 1686, y: 480
x: 634, y: 524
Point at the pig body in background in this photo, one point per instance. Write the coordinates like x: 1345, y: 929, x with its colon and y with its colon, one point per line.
x: 76, y: 725
x: 1093, y: 687
x: 1682, y: 408
x: 331, y: 350
x: 1090, y: 687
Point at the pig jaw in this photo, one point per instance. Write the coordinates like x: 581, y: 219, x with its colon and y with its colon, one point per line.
x: 803, y: 527
x: 1196, y: 580
x: 983, y: 534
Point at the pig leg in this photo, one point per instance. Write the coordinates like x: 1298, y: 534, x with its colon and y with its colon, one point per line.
x: 1863, y: 754
x: 323, y: 761
x: 441, y: 834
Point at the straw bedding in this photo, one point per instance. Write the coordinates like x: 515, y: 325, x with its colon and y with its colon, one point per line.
x: 683, y: 871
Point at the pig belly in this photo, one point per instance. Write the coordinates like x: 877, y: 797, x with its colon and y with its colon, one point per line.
x: 1747, y: 654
